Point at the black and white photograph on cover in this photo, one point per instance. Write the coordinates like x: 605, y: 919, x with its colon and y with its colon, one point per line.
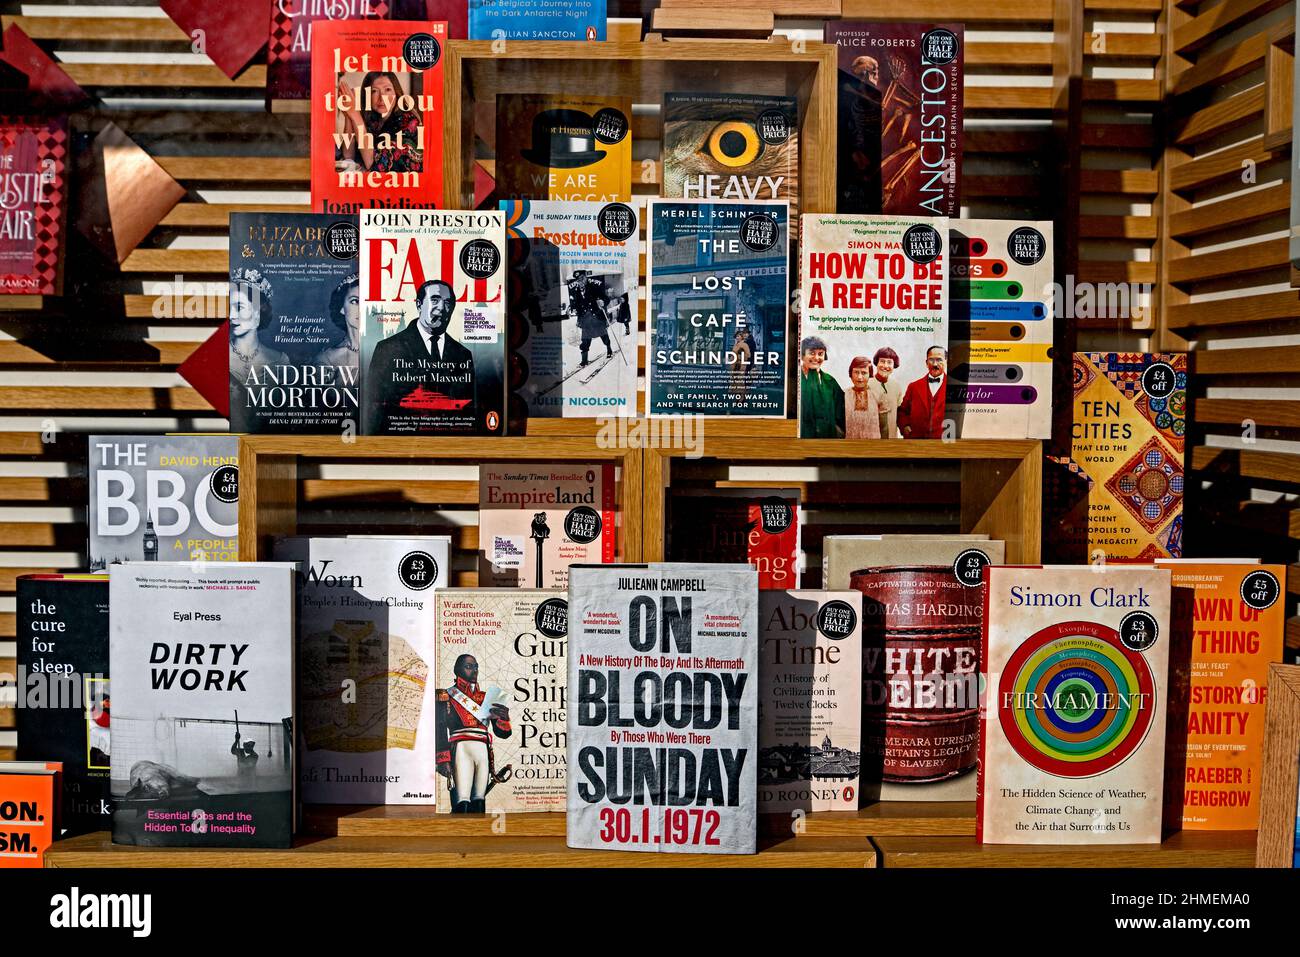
x: 468, y: 718
x: 252, y: 322
x: 382, y: 129
x: 344, y: 315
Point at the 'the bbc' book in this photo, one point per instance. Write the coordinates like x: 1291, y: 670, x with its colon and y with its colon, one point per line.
x: 33, y: 204
x: 163, y: 498
x: 433, y: 334
x: 663, y: 708
x: 1072, y: 749
x: 536, y: 20
x: 203, y: 669
x: 295, y: 323
x: 501, y: 699
x: 566, y: 146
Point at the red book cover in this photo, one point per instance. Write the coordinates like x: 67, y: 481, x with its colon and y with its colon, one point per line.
x: 288, y: 46
x: 230, y: 33
x: 33, y: 204
x: 376, y: 115
x: 30, y: 793
x: 758, y: 526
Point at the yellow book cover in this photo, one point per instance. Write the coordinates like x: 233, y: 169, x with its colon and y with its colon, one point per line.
x: 554, y: 146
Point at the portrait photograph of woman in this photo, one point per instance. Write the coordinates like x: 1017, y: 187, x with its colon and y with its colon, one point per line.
x: 376, y: 134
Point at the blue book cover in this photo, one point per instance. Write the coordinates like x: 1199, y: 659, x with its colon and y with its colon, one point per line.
x: 536, y: 20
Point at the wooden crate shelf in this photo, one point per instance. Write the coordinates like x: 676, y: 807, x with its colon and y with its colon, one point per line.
x: 1183, y: 849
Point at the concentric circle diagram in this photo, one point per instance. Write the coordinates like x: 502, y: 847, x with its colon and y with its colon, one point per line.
x: 1074, y: 702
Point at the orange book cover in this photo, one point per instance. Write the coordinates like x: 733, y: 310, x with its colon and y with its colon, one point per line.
x: 376, y: 115
x: 1237, y: 618
x: 564, y: 147
x: 29, y: 795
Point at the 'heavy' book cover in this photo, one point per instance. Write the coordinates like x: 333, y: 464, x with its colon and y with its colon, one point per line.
x: 1073, y: 742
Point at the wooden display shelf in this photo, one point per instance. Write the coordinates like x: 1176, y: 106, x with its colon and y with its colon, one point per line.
x: 1183, y: 849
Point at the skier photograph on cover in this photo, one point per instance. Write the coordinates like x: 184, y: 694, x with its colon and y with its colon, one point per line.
x: 464, y: 741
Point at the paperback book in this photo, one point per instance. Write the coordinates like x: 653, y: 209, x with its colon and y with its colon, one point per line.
x: 365, y: 623
x: 501, y: 702
x: 30, y: 792
x: 564, y: 147
x: 731, y: 146
x: 718, y: 285
x: 288, y: 47
x: 433, y: 333
x: 678, y: 772
x: 759, y: 527
x: 900, y: 117
x: 203, y: 703
x: 873, y: 350
x: 34, y: 152
x: 1073, y: 743
x: 163, y: 498
x: 574, y: 305
x: 295, y: 323
x: 536, y: 20
x: 376, y: 115
x: 62, y: 643
x: 536, y: 520
x: 1000, y: 326
x: 810, y: 683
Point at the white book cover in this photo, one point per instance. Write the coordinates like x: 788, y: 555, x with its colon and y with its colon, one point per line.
x: 201, y: 655
x: 663, y: 722
x: 366, y: 648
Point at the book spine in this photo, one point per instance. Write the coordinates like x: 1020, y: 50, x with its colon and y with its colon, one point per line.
x: 981, y: 764
x: 608, y: 514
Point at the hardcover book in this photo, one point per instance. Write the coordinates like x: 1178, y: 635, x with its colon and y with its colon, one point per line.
x: 731, y: 146
x: 536, y: 20
x: 365, y: 623
x: 203, y: 667
x: 62, y: 643
x: 564, y: 147
x: 678, y: 772
x: 574, y: 303
x: 900, y: 117
x: 501, y: 699
x: 376, y: 115
x: 433, y: 334
x: 33, y: 204
x: 163, y: 498
x: 1073, y: 743
x: 718, y: 285
x: 873, y: 349
x: 842, y: 555
x: 534, y: 521
x: 810, y: 682
x: 288, y: 46
x: 755, y: 526
x: 1000, y: 322
x: 30, y: 791
x: 1237, y: 615
x: 1118, y: 495
x: 295, y: 323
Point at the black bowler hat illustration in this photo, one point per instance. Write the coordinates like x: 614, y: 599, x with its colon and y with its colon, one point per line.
x: 563, y: 139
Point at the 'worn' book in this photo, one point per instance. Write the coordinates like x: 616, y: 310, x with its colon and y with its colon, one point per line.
x: 810, y: 682
x: 1072, y: 749
x: 203, y: 665
x: 502, y: 673
x: 663, y: 727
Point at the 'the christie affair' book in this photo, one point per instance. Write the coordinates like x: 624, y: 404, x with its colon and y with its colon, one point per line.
x: 288, y: 48
x: 433, y: 334
x: 564, y: 146
x: 33, y: 204
x: 295, y: 323
x: 203, y: 669
x: 501, y: 699
x: 1072, y: 749
x: 163, y: 498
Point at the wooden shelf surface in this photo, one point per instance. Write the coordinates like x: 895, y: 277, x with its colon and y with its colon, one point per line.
x: 1183, y: 849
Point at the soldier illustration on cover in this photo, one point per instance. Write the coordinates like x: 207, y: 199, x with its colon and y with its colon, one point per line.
x: 422, y: 371
x: 464, y: 740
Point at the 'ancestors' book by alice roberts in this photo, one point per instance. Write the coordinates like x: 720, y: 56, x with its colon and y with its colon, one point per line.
x: 202, y: 661
x: 534, y: 521
x: 574, y: 305
x: 718, y: 283
x: 163, y: 498
x: 62, y: 643
x: 376, y: 115
x: 810, y: 683
x: 295, y: 323
x: 873, y: 344
x: 900, y: 117
x: 433, y: 333
x: 501, y: 701
x: 663, y: 722
x: 1073, y: 742
x: 365, y: 659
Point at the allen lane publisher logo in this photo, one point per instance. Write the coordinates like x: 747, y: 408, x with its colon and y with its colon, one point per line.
x: 77, y: 911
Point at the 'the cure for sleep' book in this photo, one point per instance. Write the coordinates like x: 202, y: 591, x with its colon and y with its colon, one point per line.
x: 295, y: 323
x: 1072, y: 749
x: 663, y: 707
x: 203, y: 668
x: 433, y: 334
x: 376, y: 115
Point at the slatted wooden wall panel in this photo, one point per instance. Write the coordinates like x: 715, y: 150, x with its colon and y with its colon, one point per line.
x: 1227, y: 283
